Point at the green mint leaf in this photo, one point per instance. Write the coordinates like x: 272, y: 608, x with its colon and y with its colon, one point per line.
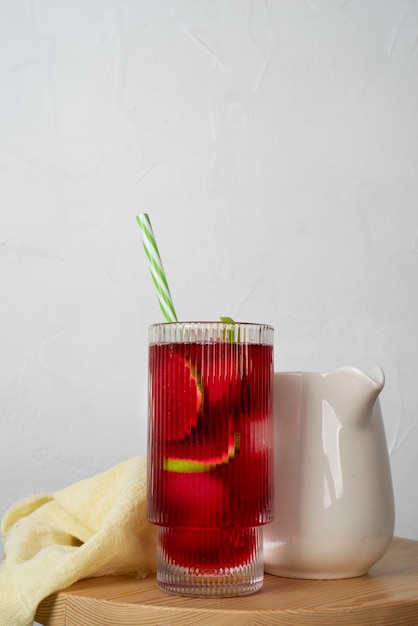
x: 227, y: 320
x: 231, y: 332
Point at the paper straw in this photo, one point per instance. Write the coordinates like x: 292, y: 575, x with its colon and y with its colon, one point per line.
x: 156, y: 267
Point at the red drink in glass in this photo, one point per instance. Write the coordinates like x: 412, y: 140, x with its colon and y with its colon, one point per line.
x: 210, y: 454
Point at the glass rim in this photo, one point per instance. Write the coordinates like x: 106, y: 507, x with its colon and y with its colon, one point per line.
x: 211, y: 332
x: 212, y: 323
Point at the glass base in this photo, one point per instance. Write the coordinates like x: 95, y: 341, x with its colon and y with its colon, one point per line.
x: 210, y: 562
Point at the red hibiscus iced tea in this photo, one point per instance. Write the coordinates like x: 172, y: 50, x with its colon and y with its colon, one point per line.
x: 210, y: 455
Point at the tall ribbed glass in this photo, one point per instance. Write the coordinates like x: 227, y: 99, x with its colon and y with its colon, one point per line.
x: 210, y: 454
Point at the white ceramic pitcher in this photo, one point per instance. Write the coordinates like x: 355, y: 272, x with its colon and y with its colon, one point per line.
x: 334, y: 507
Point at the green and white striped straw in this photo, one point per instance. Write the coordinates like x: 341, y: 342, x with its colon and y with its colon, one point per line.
x: 156, y: 267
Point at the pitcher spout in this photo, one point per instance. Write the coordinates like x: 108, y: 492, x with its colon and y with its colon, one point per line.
x: 356, y: 392
x: 377, y: 376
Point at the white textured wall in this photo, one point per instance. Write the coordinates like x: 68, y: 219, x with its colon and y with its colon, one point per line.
x: 274, y: 144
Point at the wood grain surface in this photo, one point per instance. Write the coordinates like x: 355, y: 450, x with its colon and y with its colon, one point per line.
x: 386, y: 596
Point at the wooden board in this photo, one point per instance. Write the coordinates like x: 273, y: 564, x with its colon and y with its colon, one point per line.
x: 386, y: 596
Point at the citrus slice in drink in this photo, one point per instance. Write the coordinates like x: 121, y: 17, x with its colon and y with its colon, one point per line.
x: 203, y: 457
x: 178, y: 395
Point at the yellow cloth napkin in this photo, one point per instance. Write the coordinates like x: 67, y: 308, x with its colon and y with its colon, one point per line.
x: 94, y: 527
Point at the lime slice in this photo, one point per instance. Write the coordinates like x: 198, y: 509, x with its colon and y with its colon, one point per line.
x: 183, y: 396
x: 185, y: 466
x: 192, y: 466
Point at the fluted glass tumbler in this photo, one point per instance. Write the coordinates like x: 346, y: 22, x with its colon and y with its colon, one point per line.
x: 210, y: 454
